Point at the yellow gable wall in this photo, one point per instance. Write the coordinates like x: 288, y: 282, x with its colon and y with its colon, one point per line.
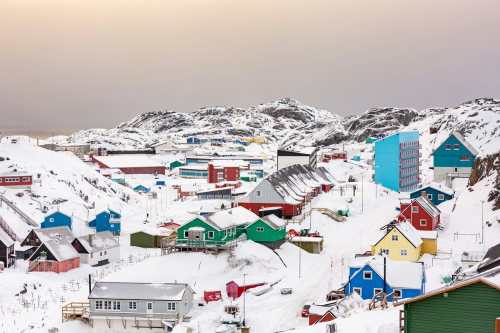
x: 429, y: 246
x: 395, y: 247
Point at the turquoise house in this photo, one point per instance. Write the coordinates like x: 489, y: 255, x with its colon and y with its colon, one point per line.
x: 141, y: 188
x: 454, y: 155
x: 57, y: 219
x: 436, y: 193
x: 397, y: 161
x: 107, y: 220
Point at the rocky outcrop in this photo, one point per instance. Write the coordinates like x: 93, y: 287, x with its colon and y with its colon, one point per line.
x: 485, y: 167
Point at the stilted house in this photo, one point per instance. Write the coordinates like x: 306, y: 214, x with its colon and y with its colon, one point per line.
x: 97, y: 249
x: 421, y: 213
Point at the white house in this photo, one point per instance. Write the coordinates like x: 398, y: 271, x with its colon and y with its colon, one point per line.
x: 290, y: 155
x: 97, y: 249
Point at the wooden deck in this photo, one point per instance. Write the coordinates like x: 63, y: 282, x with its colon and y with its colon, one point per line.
x: 173, y: 245
x: 76, y: 311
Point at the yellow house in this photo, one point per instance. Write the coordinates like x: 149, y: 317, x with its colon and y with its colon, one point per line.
x: 257, y: 140
x: 404, y: 242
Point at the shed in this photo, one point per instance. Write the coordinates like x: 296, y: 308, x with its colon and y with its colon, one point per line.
x: 236, y: 287
x: 471, y: 258
x: 277, y: 211
x: 146, y: 238
x: 212, y: 296
x: 24, y: 252
x: 309, y: 244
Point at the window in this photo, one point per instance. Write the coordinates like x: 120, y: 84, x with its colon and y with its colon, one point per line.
x: 91, y: 255
x: 186, y: 234
x: 385, y: 251
x: 98, y: 305
x: 464, y: 158
x: 260, y: 229
x: 367, y: 275
x: 105, y: 252
x: 448, y: 147
x: 51, y: 219
x: 357, y: 290
x: 150, y: 306
x: 395, y: 238
x: 429, y: 196
x: 414, y: 209
x: 423, y: 222
x: 397, y: 293
x: 171, y: 306
x: 455, y: 169
x: 258, y: 193
x: 26, y: 179
x: 404, y: 252
x: 116, y: 306
x: 456, y: 147
x: 376, y: 291
x: 70, y: 261
x: 107, y: 305
x: 440, y: 196
x: 49, y: 263
x: 225, y: 233
x: 211, y: 234
x: 111, y: 215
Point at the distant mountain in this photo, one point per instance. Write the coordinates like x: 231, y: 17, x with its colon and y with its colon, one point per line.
x: 288, y: 120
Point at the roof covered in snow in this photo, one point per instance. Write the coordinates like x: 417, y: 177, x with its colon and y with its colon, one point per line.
x: 249, y: 281
x: 139, y: 291
x: 462, y: 140
x: 61, y: 249
x: 410, y: 233
x: 128, y: 161
x: 100, y: 241
x: 273, y: 221
x: 229, y: 218
x: 491, y: 259
x: 14, y: 174
x: 437, y: 187
x: 47, y: 234
x: 5, y: 239
x: 428, y: 206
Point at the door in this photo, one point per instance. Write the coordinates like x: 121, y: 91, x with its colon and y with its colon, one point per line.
x: 150, y: 307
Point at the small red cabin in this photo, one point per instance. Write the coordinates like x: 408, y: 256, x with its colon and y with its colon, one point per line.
x: 338, y: 155
x: 236, y: 287
x: 212, y: 296
x: 421, y: 213
x: 20, y: 179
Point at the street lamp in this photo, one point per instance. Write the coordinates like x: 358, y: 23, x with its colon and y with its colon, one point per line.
x: 482, y: 222
x: 244, y: 293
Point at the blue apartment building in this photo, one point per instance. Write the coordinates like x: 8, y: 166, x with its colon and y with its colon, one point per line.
x: 397, y: 161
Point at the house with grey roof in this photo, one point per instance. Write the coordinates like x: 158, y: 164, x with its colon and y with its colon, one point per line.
x: 138, y: 307
x: 97, y: 249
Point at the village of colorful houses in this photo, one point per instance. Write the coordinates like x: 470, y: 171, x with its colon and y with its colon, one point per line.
x: 206, y: 234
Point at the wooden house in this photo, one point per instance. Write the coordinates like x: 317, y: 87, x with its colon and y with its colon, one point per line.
x: 16, y: 180
x: 97, y: 249
x: 403, y: 242
x: 421, y: 213
x: 454, y: 156
x: 236, y: 287
x: 434, y: 192
x: 141, y: 189
x: 107, y: 220
x: 322, y: 314
x: 37, y: 237
x: 471, y: 305
x: 490, y: 260
x: 175, y: 164
x: 7, y: 254
x: 269, y: 230
x: 404, y: 278
x: 57, y: 255
x: 138, y: 307
x: 57, y: 218
x: 147, y: 238
x: 309, y: 244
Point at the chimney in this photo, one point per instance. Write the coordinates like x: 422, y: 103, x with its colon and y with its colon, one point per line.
x: 91, y: 240
x: 58, y: 236
x: 90, y: 283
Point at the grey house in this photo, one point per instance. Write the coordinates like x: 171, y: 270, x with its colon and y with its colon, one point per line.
x: 138, y: 307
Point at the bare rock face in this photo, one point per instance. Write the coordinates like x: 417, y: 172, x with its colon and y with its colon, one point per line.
x: 485, y: 167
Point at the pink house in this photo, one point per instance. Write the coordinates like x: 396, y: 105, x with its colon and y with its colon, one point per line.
x: 57, y: 255
x: 236, y: 287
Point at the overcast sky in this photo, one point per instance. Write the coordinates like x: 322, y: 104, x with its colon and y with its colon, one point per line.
x: 68, y: 64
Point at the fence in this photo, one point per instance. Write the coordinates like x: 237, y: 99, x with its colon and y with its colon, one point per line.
x: 23, y: 216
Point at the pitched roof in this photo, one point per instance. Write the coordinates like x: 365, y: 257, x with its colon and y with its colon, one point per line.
x: 437, y: 187
x: 100, y: 241
x: 462, y: 140
x: 408, y: 231
x: 399, y: 274
x: 491, y: 259
x: 228, y: 218
x: 139, y: 291
x: 428, y: 206
x: 61, y: 249
x: 47, y: 234
x: 5, y: 239
x: 273, y: 221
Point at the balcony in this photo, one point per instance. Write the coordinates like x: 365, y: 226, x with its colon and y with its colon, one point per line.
x: 419, y: 154
x: 420, y: 146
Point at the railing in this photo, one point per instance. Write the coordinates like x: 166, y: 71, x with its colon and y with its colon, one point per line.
x: 8, y: 230
x: 325, y: 211
x: 170, y: 245
x: 75, y: 310
x: 35, y: 263
x: 23, y: 216
x: 135, y: 317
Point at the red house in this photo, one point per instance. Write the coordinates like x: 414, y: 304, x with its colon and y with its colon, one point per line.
x: 20, y: 179
x: 130, y: 164
x: 220, y: 171
x: 56, y: 255
x: 212, y: 296
x: 336, y: 155
x: 236, y: 287
x: 421, y: 213
x: 326, y: 317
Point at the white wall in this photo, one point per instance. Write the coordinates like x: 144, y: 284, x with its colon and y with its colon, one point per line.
x: 111, y: 254
x: 440, y: 172
x: 284, y: 161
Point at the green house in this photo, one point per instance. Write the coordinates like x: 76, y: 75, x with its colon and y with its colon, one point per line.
x: 268, y: 230
x: 144, y: 238
x: 175, y: 164
x: 468, y: 306
x: 215, y: 229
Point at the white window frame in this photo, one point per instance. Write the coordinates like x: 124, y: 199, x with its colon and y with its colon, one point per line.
x: 186, y: 234
x: 98, y: 305
x: 456, y: 147
x: 108, y: 305
x: 357, y: 290
x: 117, y: 306
x: 423, y: 224
x: 51, y: 219
x: 171, y: 306
x: 365, y: 273
x: 385, y: 251
x: 448, y: 147
x: 400, y: 291
x: 403, y: 254
x: 429, y: 196
x: 260, y: 229
x: 258, y: 193
x: 377, y: 289
x: 148, y: 306
x: 395, y: 238
x: 26, y: 179
x: 132, y: 305
x: 414, y: 209
x: 440, y: 196
x: 211, y: 235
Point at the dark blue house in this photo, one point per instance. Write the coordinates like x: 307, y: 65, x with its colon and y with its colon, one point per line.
x: 436, y: 193
x: 454, y: 155
x: 107, y: 220
x: 197, y: 140
x: 57, y: 219
x: 366, y: 277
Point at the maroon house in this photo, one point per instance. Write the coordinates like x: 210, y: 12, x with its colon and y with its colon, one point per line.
x: 421, y: 213
x: 236, y: 287
x: 20, y: 179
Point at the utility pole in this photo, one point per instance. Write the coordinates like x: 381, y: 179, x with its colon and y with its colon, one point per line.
x: 244, y: 298
x: 300, y: 252
x: 362, y: 192
x: 482, y: 222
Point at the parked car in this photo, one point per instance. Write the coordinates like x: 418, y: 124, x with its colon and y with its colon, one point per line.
x: 13, y: 141
x: 305, y: 309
